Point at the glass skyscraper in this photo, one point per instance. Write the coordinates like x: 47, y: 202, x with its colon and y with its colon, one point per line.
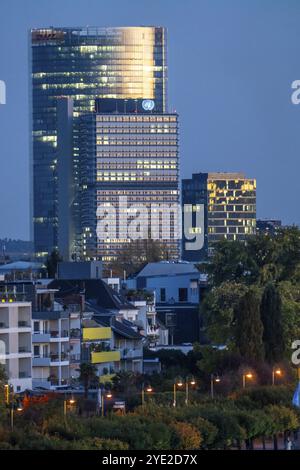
x: 130, y: 164
x: 84, y: 64
x: 229, y: 202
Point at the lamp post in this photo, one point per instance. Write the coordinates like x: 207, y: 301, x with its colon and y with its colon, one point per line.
x: 275, y: 373
x: 247, y: 375
x: 148, y: 389
x: 6, y: 390
x: 177, y: 383
x: 213, y: 380
x: 71, y: 402
x: 108, y: 396
x: 188, y: 382
x: 12, y: 413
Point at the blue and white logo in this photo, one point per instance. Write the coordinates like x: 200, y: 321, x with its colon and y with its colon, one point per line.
x: 148, y: 105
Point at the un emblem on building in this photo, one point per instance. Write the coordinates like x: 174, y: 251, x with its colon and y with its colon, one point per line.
x: 148, y: 105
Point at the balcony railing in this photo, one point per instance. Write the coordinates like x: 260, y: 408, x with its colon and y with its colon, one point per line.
x: 62, y: 334
x: 56, y: 358
x: 107, y: 356
x: 131, y: 353
x: 3, y: 325
x: 23, y: 324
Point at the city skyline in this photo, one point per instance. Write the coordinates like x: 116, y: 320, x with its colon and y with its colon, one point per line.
x: 259, y: 134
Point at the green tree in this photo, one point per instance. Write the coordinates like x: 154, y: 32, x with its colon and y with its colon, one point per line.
x: 271, y: 316
x: 218, y: 311
x: 290, y: 296
x: 87, y: 376
x: 231, y: 263
x: 248, y: 329
x: 187, y: 436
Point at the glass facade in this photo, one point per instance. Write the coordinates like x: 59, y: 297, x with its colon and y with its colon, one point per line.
x: 231, y: 206
x: 194, y: 195
x: 84, y: 64
x: 229, y: 201
x: 132, y: 156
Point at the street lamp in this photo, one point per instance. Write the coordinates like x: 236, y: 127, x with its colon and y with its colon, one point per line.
x: 6, y: 389
x: 188, y: 382
x: 71, y: 402
x: 248, y: 376
x: 12, y: 413
x: 213, y: 380
x: 108, y: 396
x: 178, y: 383
x: 275, y: 373
x: 148, y: 389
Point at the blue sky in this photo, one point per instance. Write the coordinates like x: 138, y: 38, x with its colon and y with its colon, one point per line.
x: 231, y: 65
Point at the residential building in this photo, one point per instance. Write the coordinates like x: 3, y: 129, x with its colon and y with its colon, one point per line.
x: 112, y: 337
x: 79, y: 270
x: 50, y: 340
x: 177, y: 287
x: 99, y: 349
x: 228, y: 201
x: 15, y: 340
x: 84, y: 64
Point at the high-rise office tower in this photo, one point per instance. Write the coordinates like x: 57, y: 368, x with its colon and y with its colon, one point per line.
x: 129, y: 178
x: 229, y: 204
x: 84, y: 64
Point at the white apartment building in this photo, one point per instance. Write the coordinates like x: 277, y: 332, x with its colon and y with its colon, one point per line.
x: 51, y: 348
x: 15, y: 342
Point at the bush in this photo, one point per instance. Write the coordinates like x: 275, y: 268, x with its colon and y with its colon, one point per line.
x: 186, y: 436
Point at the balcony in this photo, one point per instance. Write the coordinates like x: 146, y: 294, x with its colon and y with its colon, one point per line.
x: 41, y: 337
x: 132, y: 353
x: 105, y: 356
x: 93, y: 334
x: 41, y: 361
x: 56, y: 335
x: 56, y: 358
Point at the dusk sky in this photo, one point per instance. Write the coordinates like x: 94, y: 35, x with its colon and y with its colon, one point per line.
x: 231, y: 65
